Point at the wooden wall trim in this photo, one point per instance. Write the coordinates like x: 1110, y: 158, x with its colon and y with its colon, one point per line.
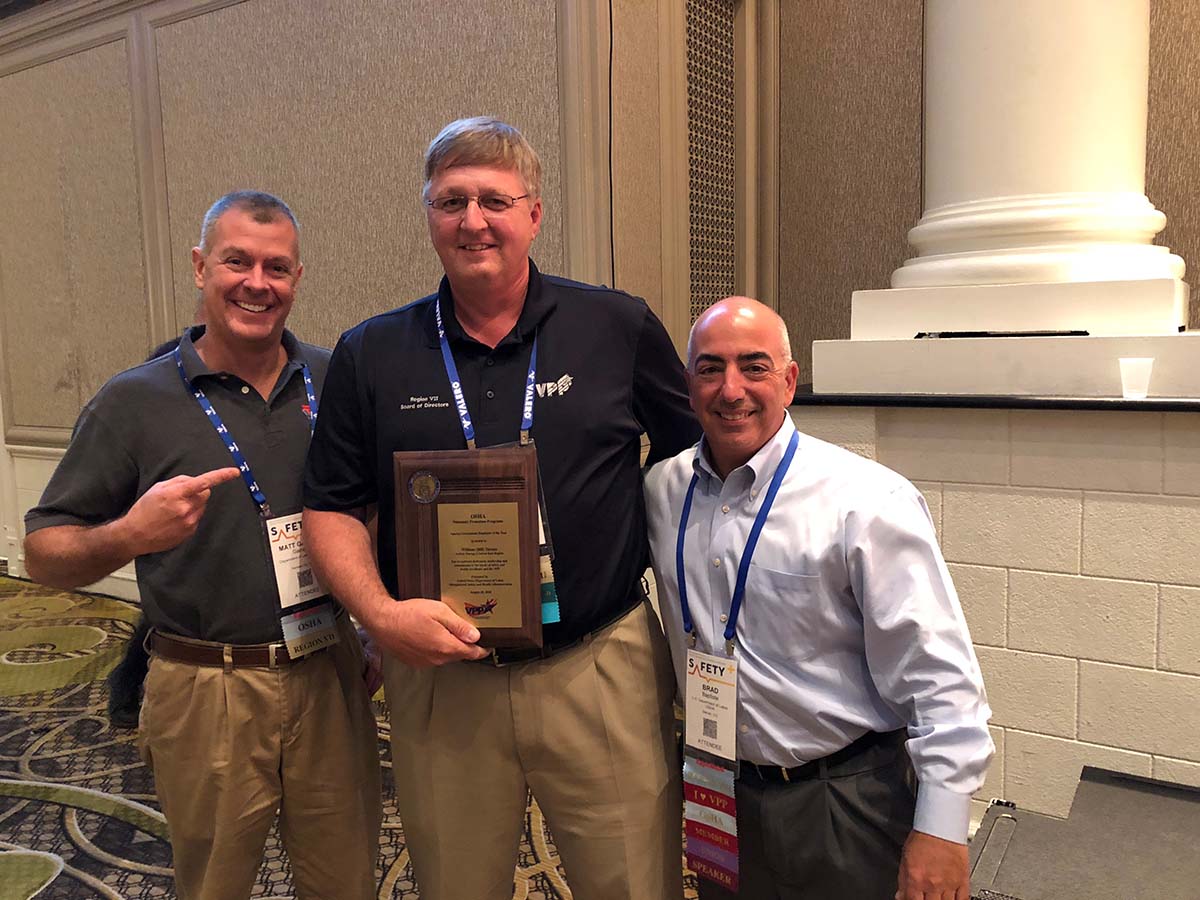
x: 756, y: 89
x: 50, y: 32
x: 673, y: 171
x: 150, y: 158
x: 38, y: 435
x: 584, y: 31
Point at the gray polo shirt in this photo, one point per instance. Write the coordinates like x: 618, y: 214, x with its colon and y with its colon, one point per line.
x: 143, y: 427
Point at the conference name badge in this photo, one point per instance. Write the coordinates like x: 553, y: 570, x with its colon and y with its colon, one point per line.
x: 710, y: 768
x: 294, y: 576
x: 307, y: 628
x: 710, y: 713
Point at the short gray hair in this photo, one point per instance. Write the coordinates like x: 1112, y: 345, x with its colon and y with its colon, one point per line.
x: 264, y: 208
x: 483, y: 141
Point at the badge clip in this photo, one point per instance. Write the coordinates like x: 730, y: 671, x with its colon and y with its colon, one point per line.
x: 729, y: 647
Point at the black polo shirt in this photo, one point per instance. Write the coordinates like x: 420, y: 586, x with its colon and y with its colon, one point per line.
x: 143, y: 427
x: 606, y: 373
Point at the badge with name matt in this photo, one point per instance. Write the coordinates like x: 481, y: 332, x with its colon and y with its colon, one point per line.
x: 294, y: 576
x: 304, y: 630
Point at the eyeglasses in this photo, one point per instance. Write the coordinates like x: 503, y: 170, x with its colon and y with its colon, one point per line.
x: 456, y: 204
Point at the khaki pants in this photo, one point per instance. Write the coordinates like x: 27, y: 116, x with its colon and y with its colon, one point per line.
x: 590, y: 731
x: 228, y: 749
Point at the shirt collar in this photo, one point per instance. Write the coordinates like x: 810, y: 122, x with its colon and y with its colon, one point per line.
x: 760, y: 467
x: 538, y: 305
x: 194, y: 367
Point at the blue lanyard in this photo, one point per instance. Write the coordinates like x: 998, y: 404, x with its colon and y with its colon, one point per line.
x: 456, y: 385
x: 739, y: 586
x: 243, y: 465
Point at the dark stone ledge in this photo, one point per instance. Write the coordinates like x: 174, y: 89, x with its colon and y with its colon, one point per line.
x: 806, y: 397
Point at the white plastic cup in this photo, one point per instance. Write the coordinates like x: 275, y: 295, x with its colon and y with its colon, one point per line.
x: 1135, y: 376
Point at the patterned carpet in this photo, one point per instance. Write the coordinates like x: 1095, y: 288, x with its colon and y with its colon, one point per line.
x: 78, y: 815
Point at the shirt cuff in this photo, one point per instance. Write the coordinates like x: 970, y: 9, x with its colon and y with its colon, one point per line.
x: 943, y: 813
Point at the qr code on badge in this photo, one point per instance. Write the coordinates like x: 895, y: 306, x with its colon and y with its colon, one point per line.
x: 305, y: 577
x: 710, y: 728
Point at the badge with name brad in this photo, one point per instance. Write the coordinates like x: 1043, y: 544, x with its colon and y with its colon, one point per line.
x: 710, y: 767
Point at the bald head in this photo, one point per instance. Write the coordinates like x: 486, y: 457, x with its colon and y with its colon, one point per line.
x: 744, y: 312
x: 741, y: 378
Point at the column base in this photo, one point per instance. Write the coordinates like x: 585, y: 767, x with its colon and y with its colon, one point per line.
x: 1023, y: 367
x: 1037, y: 238
x: 1152, y: 306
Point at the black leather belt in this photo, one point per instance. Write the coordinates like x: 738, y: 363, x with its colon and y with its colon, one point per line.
x: 509, y: 657
x: 780, y: 775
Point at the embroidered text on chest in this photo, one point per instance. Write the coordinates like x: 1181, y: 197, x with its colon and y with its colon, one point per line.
x: 432, y: 401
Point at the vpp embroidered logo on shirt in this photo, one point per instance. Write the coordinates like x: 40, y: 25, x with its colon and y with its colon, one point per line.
x: 555, y: 388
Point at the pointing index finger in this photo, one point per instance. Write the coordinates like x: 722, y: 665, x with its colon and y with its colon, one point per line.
x: 210, y: 480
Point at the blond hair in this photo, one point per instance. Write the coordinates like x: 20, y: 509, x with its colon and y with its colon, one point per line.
x: 483, y: 141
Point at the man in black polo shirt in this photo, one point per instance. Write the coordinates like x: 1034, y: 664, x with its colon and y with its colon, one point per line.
x: 587, y: 724
x: 190, y: 464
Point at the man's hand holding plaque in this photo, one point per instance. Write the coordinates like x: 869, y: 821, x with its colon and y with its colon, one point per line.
x: 422, y: 632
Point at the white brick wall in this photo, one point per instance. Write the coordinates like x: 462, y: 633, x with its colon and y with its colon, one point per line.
x: 1031, y: 691
x: 983, y: 590
x: 1089, y: 618
x: 1178, y: 635
x: 1041, y: 772
x: 1139, y: 709
x: 1029, y: 528
x: 1072, y: 538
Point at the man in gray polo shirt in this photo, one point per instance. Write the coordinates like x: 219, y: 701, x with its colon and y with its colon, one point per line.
x: 190, y: 465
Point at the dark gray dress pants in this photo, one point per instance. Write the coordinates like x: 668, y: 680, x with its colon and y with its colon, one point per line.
x: 836, y: 835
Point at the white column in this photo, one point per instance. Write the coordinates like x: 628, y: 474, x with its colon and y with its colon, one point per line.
x: 1035, y: 219
x: 1035, y: 145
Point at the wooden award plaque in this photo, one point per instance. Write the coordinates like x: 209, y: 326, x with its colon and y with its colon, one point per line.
x: 467, y: 533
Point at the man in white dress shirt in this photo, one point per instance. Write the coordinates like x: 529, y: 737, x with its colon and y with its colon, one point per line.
x: 855, y: 668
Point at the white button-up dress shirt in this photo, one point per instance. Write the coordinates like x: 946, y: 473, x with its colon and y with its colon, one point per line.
x: 849, y: 623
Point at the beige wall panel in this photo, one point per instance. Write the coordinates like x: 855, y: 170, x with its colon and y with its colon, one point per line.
x: 1173, y: 132
x: 849, y: 156
x: 72, y: 286
x: 637, y: 199
x: 330, y: 105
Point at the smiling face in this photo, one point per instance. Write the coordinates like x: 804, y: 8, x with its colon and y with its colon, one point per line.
x: 247, y: 280
x: 482, y: 250
x: 740, y: 379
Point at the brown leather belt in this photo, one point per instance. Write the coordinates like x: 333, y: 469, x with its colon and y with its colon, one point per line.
x: 228, y: 656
